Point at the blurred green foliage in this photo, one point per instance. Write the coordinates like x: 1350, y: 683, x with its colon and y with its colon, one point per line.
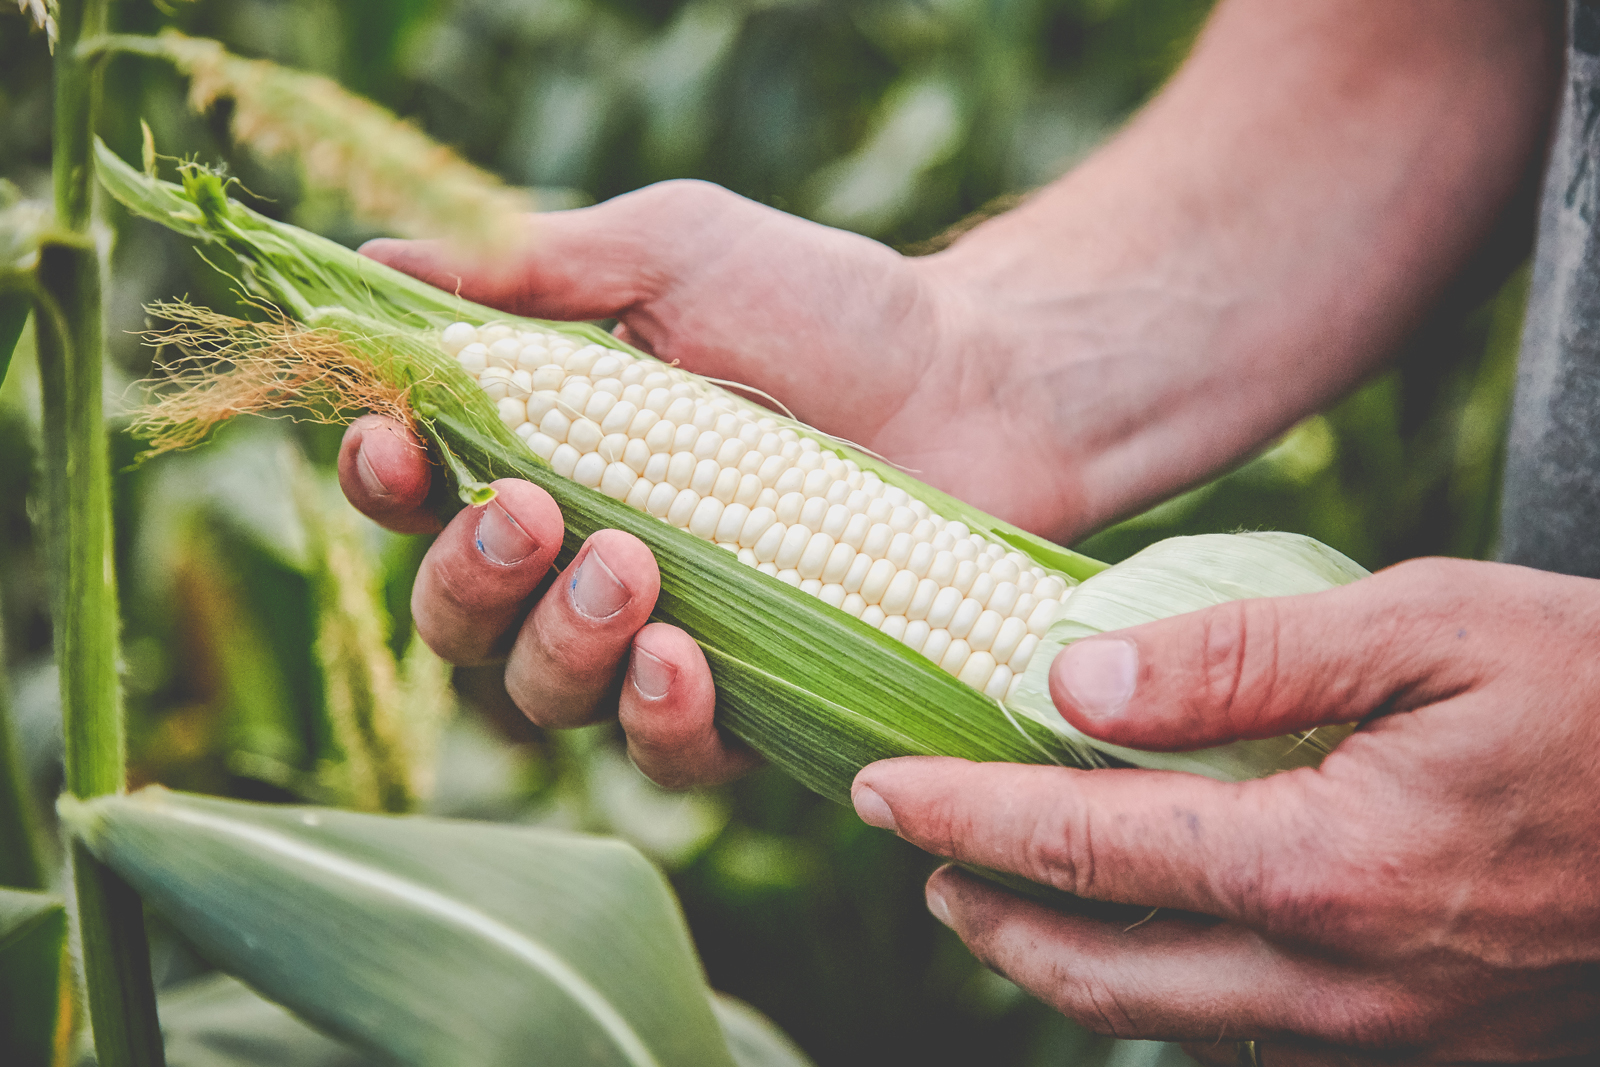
x: 893, y: 117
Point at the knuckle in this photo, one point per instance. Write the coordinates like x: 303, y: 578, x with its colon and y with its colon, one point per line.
x: 687, y: 197
x: 1237, y: 655
x: 1094, y: 1004
x: 1059, y: 849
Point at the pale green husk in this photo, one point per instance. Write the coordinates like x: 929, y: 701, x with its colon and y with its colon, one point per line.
x: 1171, y: 577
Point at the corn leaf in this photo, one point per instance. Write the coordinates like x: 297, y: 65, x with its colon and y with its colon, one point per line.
x: 34, y: 983
x: 753, y: 1038
x: 425, y: 941
x: 218, y: 1021
x: 14, y: 308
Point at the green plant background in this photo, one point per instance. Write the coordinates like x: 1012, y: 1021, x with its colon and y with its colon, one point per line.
x: 893, y: 117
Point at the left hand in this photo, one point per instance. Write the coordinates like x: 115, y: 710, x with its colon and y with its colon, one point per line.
x: 1430, y: 894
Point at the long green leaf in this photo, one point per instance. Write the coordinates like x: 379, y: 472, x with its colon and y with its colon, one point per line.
x: 430, y: 942
x: 33, y: 987
x: 218, y: 1021
x: 14, y: 308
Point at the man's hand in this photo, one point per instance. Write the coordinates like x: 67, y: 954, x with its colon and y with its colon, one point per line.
x: 1430, y: 894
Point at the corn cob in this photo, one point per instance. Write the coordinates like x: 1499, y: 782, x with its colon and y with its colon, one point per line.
x: 659, y: 440
x: 854, y: 613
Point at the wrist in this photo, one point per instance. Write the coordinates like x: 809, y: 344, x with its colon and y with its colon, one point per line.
x: 1111, y: 365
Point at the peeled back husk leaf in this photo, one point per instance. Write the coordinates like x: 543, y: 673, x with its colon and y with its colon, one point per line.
x: 1175, y: 576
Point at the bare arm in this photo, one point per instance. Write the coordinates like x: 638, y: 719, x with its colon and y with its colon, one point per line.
x: 1261, y: 236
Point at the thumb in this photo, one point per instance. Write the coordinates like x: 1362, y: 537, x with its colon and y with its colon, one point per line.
x: 1252, y: 669
x: 588, y: 263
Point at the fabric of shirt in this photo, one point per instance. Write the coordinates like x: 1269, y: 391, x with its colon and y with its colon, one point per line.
x: 1550, y: 504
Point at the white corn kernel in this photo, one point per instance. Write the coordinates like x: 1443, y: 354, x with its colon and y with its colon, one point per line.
x: 838, y: 564
x: 661, y: 498
x: 680, y: 469
x: 815, y: 555
x: 638, y: 497
x: 617, y: 481
x: 749, y: 490
x: 873, y: 616
x: 704, y: 476
x: 513, y: 412
x: 789, y: 505
x: 619, y: 418
x: 755, y: 525
x: 917, y: 631
x: 955, y: 657
x: 795, y: 539
x: 856, y: 573
x: 938, y: 641
x: 707, y: 513
x: 977, y: 670
x: 897, y: 597
x: 893, y: 626
x: 965, y: 616
x: 1043, y: 615
x: 682, y: 509
x: 563, y: 459
x: 1007, y: 638
x: 543, y: 445
x: 922, y: 599
x: 584, y: 436
x: 588, y: 470
x: 984, y: 630
x: 853, y: 604
x: 725, y: 484
x: 1019, y: 659
x: 876, y: 583
x: 659, y: 436
x: 767, y: 545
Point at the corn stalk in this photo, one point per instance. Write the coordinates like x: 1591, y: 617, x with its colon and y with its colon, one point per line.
x: 69, y: 313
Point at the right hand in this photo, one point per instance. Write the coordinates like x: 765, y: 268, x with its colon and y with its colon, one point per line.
x: 856, y: 340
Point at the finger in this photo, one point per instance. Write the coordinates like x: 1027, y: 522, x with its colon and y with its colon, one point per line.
x: 666, y: 707
x: 384, y: 472
x: 1253, y: 669
x: 567, y: 662
x: 1169, y: 978
x: 1156, y: 838
x: 475, y: 581
x: 588, y: 263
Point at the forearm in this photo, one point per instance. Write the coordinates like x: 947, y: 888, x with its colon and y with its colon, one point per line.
x: 1263, y: 234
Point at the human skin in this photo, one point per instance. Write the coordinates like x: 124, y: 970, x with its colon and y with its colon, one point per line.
x: 1429, y: 894
x: 1255, y: 242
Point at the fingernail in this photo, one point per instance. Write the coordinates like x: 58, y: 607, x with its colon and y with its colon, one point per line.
x: 369, y: 477
x: 1099, y: 675
x: 872, y: 808
x: 500, y: 538
x: 937, y: 905
x: 596, y: 592
x: 652, y: 675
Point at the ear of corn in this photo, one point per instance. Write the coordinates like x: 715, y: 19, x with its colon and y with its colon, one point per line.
x: 850, y: 614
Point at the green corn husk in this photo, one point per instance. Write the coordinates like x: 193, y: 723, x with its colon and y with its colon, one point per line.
x: 816, y: 691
